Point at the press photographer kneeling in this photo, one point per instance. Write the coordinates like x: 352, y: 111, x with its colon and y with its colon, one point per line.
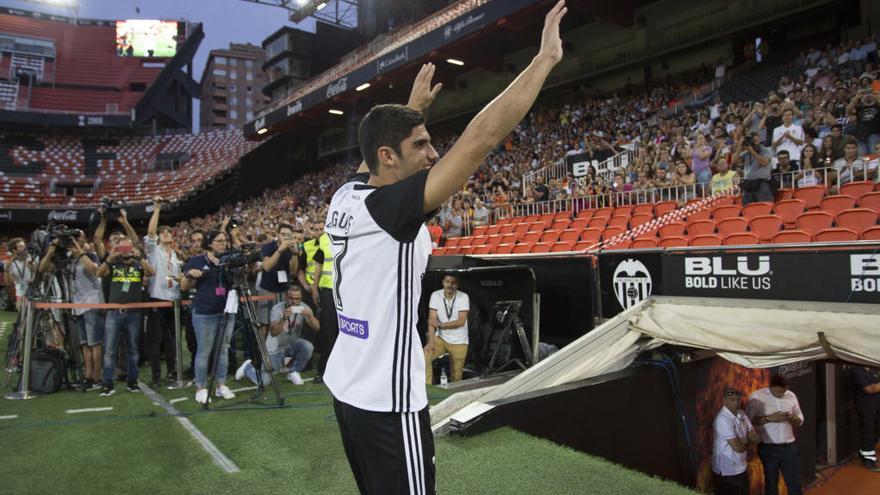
x: 284, y: 343
x: 204, y: 273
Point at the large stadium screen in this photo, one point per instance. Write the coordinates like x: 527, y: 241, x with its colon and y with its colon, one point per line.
x: 146, y: 38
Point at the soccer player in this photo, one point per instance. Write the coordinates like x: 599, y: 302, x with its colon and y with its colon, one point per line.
x: 380, y: 246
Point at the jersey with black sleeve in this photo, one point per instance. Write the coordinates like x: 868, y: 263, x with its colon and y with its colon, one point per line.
x: 380, y: 250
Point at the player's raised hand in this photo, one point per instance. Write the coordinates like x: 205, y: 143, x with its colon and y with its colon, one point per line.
x: 422, y: 94
x: 551, y: 43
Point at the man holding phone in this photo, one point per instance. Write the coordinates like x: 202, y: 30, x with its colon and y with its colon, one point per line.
x: 280, y: 263
x: 775, y: 412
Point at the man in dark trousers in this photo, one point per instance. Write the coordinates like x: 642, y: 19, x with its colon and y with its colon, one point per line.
x: 866, y: 382
x: 319, y: 275
x: 381, y: 246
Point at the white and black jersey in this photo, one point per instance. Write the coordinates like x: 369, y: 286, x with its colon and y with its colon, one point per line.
x: 380, y: 250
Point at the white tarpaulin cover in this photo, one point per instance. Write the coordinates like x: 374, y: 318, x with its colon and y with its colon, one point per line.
x: 761, y: 334
x: 753, y: 333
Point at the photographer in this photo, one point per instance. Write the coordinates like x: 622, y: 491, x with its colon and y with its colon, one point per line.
x: 755, y: 160
x: 125, y: 268
x: 285, y: 344
x: 164, y: 286
x: 205, y: 274
x: 20, y: 271
x: 867, y: 111
x: 280, y: 264
x: 86, y: 290
x: 116, y: 235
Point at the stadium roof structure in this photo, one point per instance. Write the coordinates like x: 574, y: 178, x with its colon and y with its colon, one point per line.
x: 497, y: 27
x: 340, y: 13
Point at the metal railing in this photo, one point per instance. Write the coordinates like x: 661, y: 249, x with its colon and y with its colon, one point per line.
x: 830, y: 177
x: 604, y: 168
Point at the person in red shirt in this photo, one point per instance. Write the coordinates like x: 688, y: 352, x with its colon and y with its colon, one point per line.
x: 435, y: 230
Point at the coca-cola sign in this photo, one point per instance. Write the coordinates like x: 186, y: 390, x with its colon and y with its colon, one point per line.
x: 336, y: 87
x: 62, y: 216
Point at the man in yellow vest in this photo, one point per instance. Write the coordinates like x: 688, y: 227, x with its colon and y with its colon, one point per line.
x: 319, y: 275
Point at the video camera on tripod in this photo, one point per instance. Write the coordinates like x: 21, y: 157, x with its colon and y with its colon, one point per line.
x: 45, y: 235
x: 241, y: 257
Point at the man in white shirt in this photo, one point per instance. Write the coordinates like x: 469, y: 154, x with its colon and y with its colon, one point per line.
x: 775, y: 412
x: 733, y: 434
x: 19, y: 273
x: 164, y: 286
x: 789, y: 137
x: 447, y: 327
x: 285, y: 344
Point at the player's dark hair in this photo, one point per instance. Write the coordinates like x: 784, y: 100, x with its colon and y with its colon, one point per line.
x: 386, y: 125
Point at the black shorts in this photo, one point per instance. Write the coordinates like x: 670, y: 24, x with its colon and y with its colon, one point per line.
x: 389, y: 453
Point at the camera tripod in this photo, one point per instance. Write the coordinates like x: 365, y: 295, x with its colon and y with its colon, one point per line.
x: 255, y: 341
x: 507, y: 314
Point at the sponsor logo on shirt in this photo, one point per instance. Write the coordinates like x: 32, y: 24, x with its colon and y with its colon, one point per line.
x: 356, y: 328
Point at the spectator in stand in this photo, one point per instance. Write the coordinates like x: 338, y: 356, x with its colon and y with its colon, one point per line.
x: 481, y: 213
x: 772, y: 119
x: 755, y: 160
x: 784, y: 163
x: 701, y: 155
x: 808, y: 175
x: 540, y: 190
x: 195, y: 243
x: 435, y: 230
x: 867, y: 110
x: 847, y: 168
x: 723, y: 180
x: 455, y: 220
x: 789, y: 137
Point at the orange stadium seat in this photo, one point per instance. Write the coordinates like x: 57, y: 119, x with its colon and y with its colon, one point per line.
x: 480, y: 240
x: 582, y: 245
x: 643, y: 243
x: 811, y: 195
x: 640, y: 219
x: 509, y: 239
x: 791, y: 237
x: 538, y: 226
x: 480, y: 230
x: 857, y: 219
x: 520, y: 229
x: 623, y: 211
x: 466, y: 241
x: 542, y: 247
x: 857, y: 189
x: 784, y: 194
x: 466, y: 250
x: 507, y: 228
x: 569, y: 235
x: 562, y: 215
x: 703, y: 214
x: 706, y: 240
x: 522, y: 248
x: 673, y: 241
x: 598, y: 222
x: 619, y: 221
x: 741, y: 239
x: 726, y: 211
x: 664, y: 207
x: 643, y: 208
x: 579, y: 224
x: 504, y: 248
x: 838, y: 203
x: 672, y: 229
x: 870, y: 200
x: 531, y: 237
x: 546, y: 220
x: 550, y: 236
x: 563, y: 246
x: 836, y: 235
x: 591, y: 235
x: 732, y: 225
x: 814, y: 221
x: 605, y: 212
x: 789, y: 210
x: 700, y: 227
x: 623, y: 244
x: 753, y: 210
x: 494, y: 241
x: 765, y: 226
x: 493, y: 229
x: 438, y: 251
x: 585, y: 214
x: 452, y: 242
x: 482, y: 250
x: 611, y: 232
x: 560, y: 224
x: 872, y: 234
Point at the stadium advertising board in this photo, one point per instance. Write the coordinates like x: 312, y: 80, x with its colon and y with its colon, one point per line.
x: 628, y: 278
x: 146, y: 38
x: 453, y: 30
x: 831, y: 276
x: 70, y: 216
x: 64, y: 119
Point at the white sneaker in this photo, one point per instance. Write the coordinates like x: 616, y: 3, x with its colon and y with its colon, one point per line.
x: 202, y: 396
x: 239, y: 373
x: 294, y: 378
x: 223, y: 391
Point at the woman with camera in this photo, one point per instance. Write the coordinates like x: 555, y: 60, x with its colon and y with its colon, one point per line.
x: 203, y: 273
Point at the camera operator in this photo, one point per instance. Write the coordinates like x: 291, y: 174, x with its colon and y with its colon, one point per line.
x: 205, y: 274
x: 755, y: 159
x: 20, y: 271
x: 231, y: 227
x: 86, y: 290
x: 164, y: 286
x: 280, y: 264
x: 125, y: 268
x: 115, y: 235
x: 285, y: 344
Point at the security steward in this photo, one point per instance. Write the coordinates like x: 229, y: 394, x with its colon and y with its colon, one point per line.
x: 319, y: 275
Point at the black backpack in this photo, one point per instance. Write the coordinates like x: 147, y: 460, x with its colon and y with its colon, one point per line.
x: 47, y: 371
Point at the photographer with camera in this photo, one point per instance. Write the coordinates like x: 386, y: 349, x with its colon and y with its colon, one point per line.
x: 125, y: 268
x: 864, y: 104
x: 207, y: 276
x: 111, y: 214
x: 86, y: 290
x: 164, y: 286
x: 280, y: 264
x: 285, y: 344
x: 755, y: 160
x: 19, y: 273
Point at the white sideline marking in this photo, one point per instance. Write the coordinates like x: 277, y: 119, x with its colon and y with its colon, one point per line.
x: 174, y: 401
x: 11, y: 416
x: 218, y: 457
x: 243, y: 389
x: 89, y: 409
